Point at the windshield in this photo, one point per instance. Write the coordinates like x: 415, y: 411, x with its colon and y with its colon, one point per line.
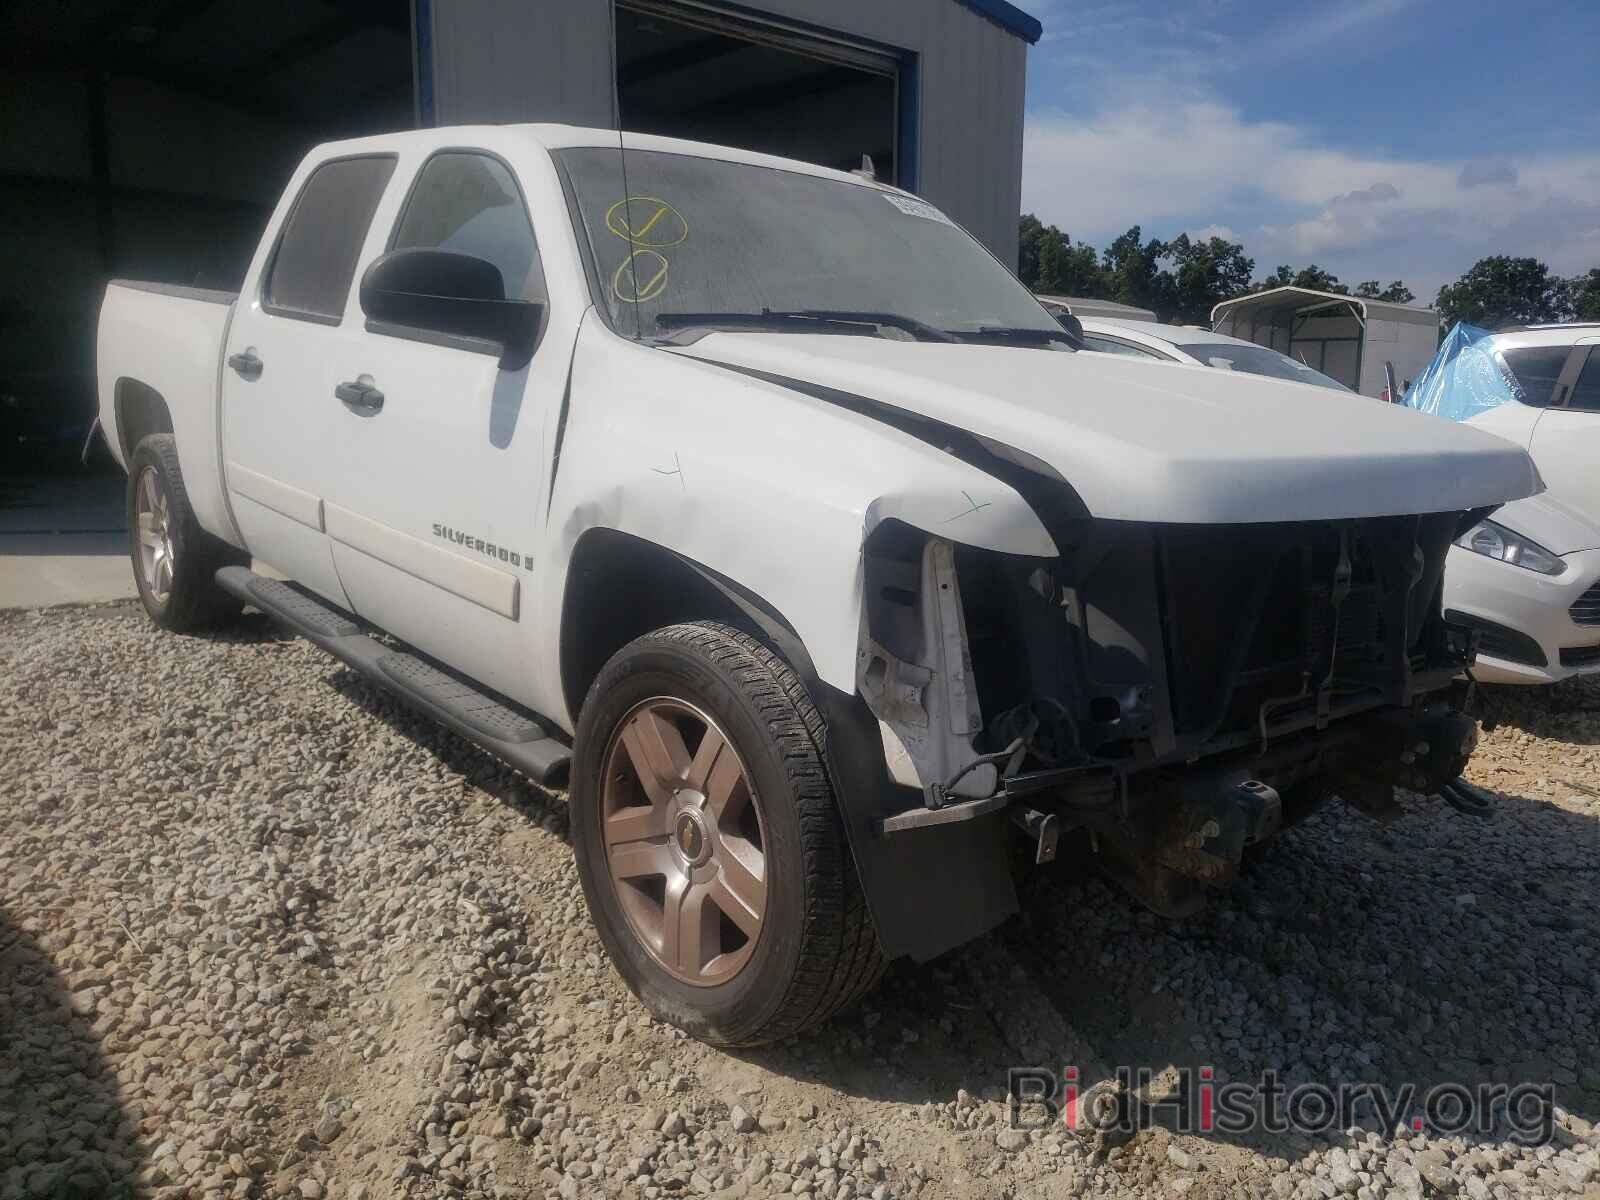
x: 716, y: 237
x: 1258, y: 360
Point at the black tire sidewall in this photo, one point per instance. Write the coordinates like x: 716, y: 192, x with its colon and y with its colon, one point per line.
x: 727, y: 1012
x: 193, y: 595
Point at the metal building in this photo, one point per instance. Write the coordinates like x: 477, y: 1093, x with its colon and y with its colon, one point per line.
x: 930, y: 89
x: 150, y: 138
x: 1358, y: 342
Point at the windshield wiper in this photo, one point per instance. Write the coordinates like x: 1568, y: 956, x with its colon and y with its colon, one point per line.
x: 805, y: 320
x: 1017, y: 333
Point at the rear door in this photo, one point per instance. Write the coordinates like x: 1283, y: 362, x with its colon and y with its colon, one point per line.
x: 279, y: 420
x: 1566, y: 440
x: 436, y: 516
x: 1538, y: 371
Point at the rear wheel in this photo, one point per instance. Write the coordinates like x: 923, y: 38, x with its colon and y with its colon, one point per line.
x: 709, y: 842
x: 174, y: 560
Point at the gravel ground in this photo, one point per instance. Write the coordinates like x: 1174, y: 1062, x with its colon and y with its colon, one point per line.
x: 264, y: 933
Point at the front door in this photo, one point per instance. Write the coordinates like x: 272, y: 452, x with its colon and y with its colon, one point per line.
x: 279, y: 419
x: 435, y: 517
x: 1566, y: 441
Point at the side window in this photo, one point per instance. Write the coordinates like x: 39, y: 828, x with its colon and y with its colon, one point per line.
x: 315, y: 259
x: 1586, y: 393
x: 1107, y: 345
x: 1535, y: 370
x: 470, y: 204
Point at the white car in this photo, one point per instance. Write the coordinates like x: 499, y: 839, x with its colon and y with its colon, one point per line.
x: 763, y: 504
x: 1556, y: 411
x: 1528, y: 580
x: 1198, y: 347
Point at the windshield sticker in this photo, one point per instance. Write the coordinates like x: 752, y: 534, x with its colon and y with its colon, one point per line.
x: 913, y: 207
x: 640, y: 277
x: 648, y: 222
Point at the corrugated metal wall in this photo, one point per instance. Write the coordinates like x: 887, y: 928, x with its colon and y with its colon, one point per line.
x: 508, y: 60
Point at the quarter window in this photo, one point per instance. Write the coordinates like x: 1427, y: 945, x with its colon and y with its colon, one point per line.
x: 1535, y: 370
x: 321, y: 239
x: 469, y: 203
x: 1586, y: 395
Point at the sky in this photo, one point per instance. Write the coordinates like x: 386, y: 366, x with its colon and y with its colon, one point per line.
x: 1380, y: 139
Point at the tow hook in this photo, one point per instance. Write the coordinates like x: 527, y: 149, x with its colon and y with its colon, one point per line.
x: 1044, y: 829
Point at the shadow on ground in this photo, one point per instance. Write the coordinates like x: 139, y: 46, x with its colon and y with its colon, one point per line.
x: 64, y: 1134
x: 1441, y: 950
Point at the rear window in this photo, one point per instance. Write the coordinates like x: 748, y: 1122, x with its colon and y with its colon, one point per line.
x: 1258, y: 360
x: 1111, y: 346
x: 1534, y: 371
x: 321, y: 240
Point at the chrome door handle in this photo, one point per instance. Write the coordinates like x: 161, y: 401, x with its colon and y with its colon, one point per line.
x: 247, y: 364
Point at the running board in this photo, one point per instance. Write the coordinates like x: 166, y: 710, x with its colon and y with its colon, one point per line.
x: 505, y: 731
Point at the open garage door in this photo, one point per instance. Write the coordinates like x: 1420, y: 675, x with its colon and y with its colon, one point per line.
x: 150, y: 138
x: 697, y: 71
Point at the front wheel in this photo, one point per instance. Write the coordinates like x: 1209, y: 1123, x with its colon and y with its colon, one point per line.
x: 174, y: 560
x: 709, y: 843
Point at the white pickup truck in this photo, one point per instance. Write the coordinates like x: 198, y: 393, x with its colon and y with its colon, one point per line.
x: 769, y: 505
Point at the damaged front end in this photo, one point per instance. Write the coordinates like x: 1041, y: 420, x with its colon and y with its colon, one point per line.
x: 1179, y: 693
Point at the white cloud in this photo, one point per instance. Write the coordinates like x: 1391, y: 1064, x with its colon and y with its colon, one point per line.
x: 1174, y: 158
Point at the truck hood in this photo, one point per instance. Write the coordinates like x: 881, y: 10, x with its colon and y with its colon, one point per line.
x: 1144, y: 441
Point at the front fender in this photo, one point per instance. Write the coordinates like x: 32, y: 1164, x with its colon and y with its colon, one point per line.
x: 769, y: 487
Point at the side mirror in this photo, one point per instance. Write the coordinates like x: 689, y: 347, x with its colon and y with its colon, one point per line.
x: 458, y: 295
x: 1072, y: 325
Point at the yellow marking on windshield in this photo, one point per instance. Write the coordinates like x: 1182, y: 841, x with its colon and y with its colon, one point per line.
x: 640, y: 290
x: 673, y: 227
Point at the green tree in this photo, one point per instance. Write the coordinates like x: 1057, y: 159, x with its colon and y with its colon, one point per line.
x: 1395, y: 293
x: 1133, y: 272
x: 1205, y: 274
x: 1048, y: 262
x: 1315, y: 278
x: 1584, y: 292
x: 1033, y: 235
x: 1282, y: 277
x: 1501, y: 290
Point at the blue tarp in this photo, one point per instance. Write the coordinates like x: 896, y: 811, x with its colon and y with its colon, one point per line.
x: 1463, y: 379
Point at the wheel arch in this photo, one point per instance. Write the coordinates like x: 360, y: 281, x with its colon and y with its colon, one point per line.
x: 140, y: 411
x: 943, y: 886
x: 620, y: 586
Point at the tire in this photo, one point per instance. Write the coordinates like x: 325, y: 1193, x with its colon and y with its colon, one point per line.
x: 814, y: 951
x: 184, y: 557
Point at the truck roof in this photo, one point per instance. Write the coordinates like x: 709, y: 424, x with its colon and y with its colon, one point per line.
x: 563, y: 137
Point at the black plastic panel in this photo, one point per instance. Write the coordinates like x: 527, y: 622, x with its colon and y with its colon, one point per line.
x: 280, y: 598
x: 468, y: 704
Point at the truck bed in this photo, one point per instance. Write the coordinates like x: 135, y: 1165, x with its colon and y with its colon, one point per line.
x: 206, y: 295
x: 167, y: 339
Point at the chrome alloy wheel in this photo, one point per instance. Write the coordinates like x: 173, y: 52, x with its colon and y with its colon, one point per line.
x: 153, y: 513
x: 685, y: 841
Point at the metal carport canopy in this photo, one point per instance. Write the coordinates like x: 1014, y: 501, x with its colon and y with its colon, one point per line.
x: 1265, y: 308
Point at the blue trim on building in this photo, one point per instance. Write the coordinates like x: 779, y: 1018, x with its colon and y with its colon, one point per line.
x: 1009, y: 17
x: 909, y: 106
x: 422, y: 43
